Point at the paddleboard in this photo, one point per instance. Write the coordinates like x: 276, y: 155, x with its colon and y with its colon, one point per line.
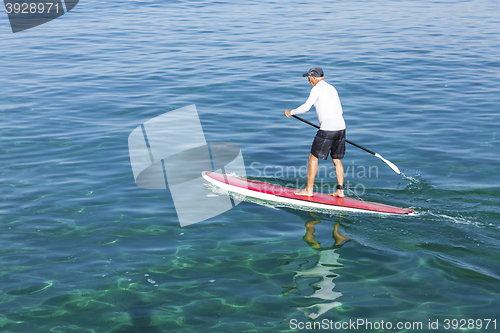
x: 285, y: 195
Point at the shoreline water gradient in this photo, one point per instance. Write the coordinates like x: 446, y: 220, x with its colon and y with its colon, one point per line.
x: 84, y: 249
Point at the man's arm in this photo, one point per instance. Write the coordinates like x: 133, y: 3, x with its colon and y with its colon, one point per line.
x: 313, y: 96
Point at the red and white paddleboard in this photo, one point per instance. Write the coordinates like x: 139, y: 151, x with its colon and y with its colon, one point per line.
x: 279, y: 194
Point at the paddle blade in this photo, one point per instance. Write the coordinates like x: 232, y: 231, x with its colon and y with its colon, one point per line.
x: 389, y: 163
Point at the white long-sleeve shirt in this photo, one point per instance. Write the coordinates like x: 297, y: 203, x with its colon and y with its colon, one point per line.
x: 328, y: 108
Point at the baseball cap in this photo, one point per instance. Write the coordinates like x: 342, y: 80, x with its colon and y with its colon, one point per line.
x: 315, y: 71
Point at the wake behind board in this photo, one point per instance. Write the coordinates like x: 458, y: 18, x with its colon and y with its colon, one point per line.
x: 285, y: 195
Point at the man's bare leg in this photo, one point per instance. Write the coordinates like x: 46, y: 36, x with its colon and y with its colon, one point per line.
x: 312, y: 169
x: 339, y: 171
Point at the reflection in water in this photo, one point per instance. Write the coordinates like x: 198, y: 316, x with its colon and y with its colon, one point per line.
x: 325, y: 269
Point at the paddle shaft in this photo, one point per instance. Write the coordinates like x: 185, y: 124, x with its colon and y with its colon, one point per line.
x: 352, y: 143
x: 389, y: 163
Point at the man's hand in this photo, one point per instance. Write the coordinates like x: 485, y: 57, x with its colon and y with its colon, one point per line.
x: 288, y: 113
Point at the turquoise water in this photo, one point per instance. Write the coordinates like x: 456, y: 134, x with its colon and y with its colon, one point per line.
x: 84, y: 249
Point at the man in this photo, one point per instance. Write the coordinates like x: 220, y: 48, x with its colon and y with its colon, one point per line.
x: 330, y: 138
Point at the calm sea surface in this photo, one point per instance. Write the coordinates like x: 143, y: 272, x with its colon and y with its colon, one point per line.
x: 84, y: 249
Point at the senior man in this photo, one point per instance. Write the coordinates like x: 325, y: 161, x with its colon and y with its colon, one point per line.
x: 330, y: 138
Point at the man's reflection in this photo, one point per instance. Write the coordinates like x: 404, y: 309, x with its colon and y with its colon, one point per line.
x: 326, y: 269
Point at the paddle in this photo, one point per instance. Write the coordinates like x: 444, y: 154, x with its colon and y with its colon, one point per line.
x: 389, y: 163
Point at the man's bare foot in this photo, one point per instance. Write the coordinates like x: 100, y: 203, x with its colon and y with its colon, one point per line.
x: 338, y: 193
x: 304, y: 192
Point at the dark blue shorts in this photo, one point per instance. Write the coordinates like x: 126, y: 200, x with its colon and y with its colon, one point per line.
x: 329, y: 143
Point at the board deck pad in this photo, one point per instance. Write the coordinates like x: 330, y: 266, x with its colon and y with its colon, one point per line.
x: 282, y: 194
